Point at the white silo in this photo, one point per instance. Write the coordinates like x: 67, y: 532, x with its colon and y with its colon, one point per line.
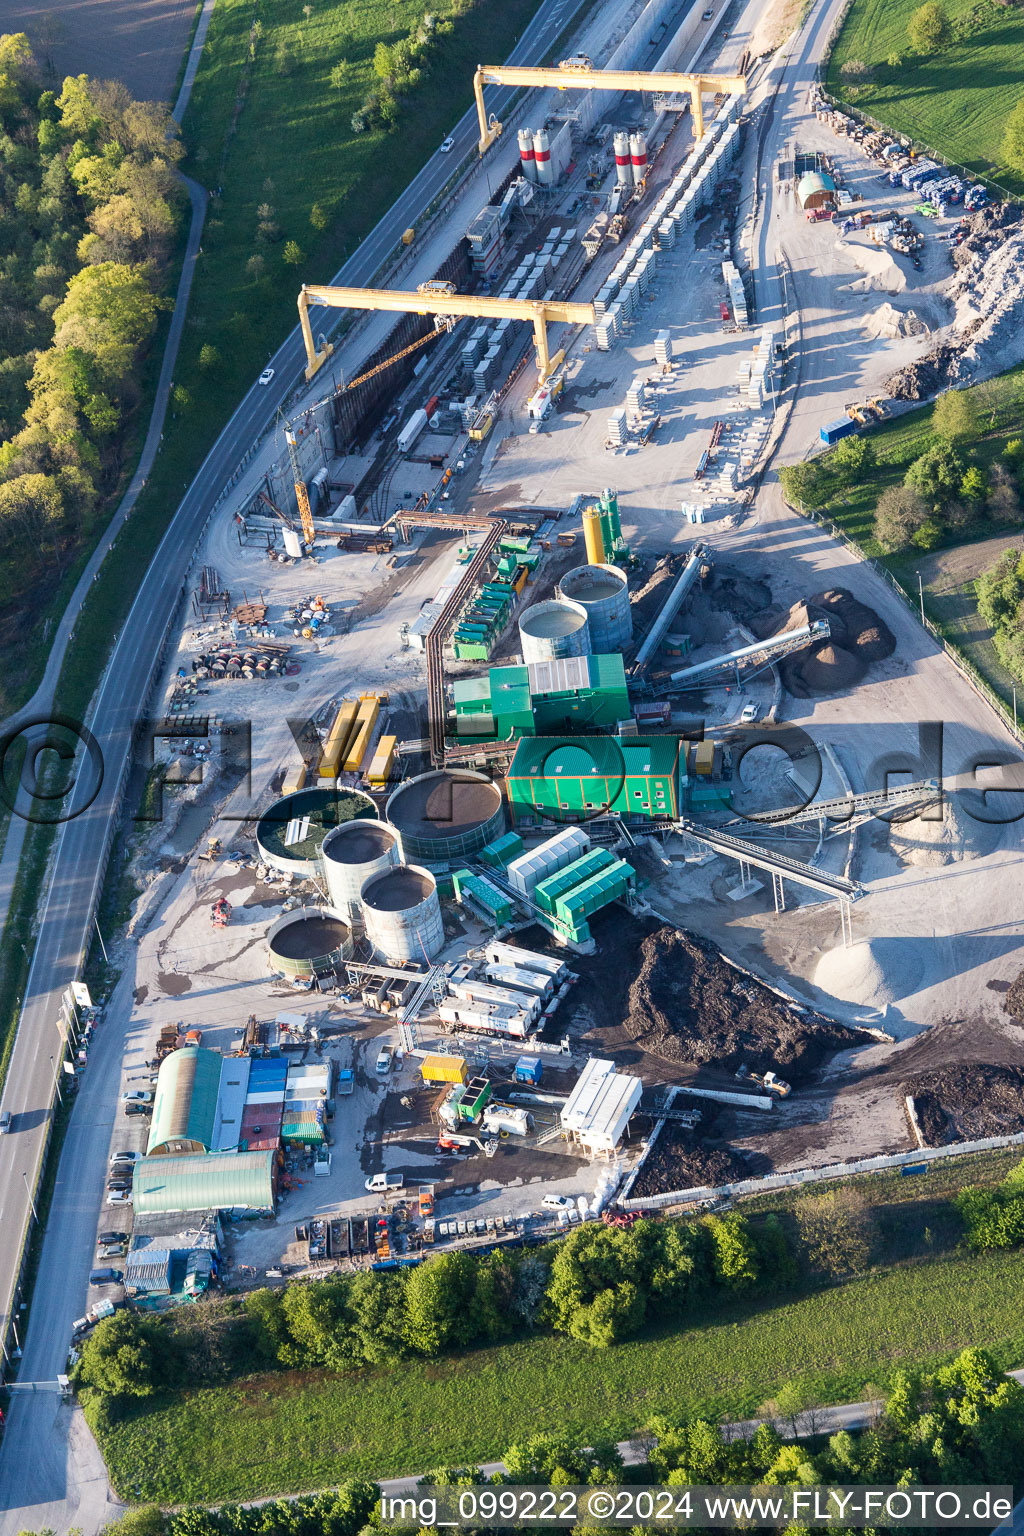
x: 542, y: 156
x: 352, y: 854
x: 638, y: 155
x: 527, y: 158
x: 552, y: 630
x: 402, y: 914
x: 623, y: 173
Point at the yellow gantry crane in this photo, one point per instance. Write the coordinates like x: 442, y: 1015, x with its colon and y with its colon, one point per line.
x: 579, y: 75
x: 440, y: 298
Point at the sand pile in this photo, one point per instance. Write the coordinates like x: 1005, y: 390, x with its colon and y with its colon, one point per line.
x: 888, y: 324
x: 873, y: 973
x: 857, y: 638
x: 955, y: 838
x: 687, y: 1004
x: 882, y: 275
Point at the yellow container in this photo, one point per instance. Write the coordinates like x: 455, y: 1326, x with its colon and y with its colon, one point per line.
x: 366, y: 719
x: 408, y: 237
x: 333, y: 754
x: 379, y: 770
x: 443, y: 1069
x: 295, y: 780
x: 704, y: 759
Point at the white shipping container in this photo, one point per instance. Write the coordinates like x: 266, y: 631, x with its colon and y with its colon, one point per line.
x: 528, y: 959
x: 525, y: 981
x: 412, y: 429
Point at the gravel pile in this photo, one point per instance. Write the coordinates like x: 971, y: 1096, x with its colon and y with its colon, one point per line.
x: 857, y: 637
x: 873, y: 973
x: 681, y: 1160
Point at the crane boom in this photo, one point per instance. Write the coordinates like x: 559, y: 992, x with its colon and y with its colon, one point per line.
x: 579, y: 75
x: 540, y: 312
x: 301, y: 494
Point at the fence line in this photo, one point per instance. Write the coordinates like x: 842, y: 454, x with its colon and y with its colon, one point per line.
x: 829, y: 1171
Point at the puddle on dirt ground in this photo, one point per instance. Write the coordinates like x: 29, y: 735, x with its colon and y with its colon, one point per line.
x: 173, y: 984
x: 139, y: 996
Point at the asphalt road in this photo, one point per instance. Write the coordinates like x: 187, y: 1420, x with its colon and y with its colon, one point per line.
x: 33, y: 1471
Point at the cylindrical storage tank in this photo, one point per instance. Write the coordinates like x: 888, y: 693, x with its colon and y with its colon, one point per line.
x: 554, y: 629
x: 592, y: 536
x: 542, y: 157
x: 323, y: 810
x: 402, y: 914
x: 623, y: 174
x: 610, y: 517
x: 353, y: 854
x: 292, y: 543
x: 527, y: 159
x: 445, y: 815
x: 603, y: 592
x: 638, y: 155
x: 313, y: 941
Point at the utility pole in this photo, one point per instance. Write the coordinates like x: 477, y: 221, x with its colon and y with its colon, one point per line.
x: 920, y: 593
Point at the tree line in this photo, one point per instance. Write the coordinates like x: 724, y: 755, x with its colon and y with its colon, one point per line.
x: 89, y: 207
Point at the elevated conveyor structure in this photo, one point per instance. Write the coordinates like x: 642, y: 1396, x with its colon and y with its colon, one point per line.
x: 849, y: 811
x: 698, y: 556
x: 760, y: 653
x: 780, y: 867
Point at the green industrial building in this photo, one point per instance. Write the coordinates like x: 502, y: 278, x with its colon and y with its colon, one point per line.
x: 551, y: 779
x: 571, y: 695
x: 217, y: 1181
x: 185, y: 1105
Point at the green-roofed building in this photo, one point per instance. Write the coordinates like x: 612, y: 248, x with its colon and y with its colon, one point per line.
x: 185, y: 1105
x: 216, y: 1181
x: 574, y: 693
x: 573, y: 780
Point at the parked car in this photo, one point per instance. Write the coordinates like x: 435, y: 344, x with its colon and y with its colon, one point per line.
x: 558, y: 1203
x: 119, y: 1197
x: 136, y: 1096
x: 105, y: 1277
x: 266, y: 375
x: 123, y: 1157
x: 5, y: 1122
x: 707, y: 15
x: 138, y: 1109
x: 111, y: 1251
x: 112, y: 1237
x: 750, y: 714
x: 382, y: 1183
x: 384, y: 1060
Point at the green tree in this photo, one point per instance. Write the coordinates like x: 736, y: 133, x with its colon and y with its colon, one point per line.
x: 836, y: 1229
x: 936, y: 474
x: 123, y: 1357
x: 955, y: 416
x: 293, y: 253
x: 734, y: 1255
x: 377, y: 1306
x: 318, y: 216
x: 974, y: 485
x: 209, y: 357
x: 339, y: 74
x: 318, y: 1322
x: 439, y: 1302
x: 1013, y: 138
x: 899, y: 513
x: 928, y: 28
x: 149, y: 1520
x: 851, y: 458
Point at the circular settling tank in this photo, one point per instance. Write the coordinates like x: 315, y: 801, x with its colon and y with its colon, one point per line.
x: 602, y: 591
x: 310, y: 942
x: 326, y: 809
x: 446, y: 815
x: 554, y: 629
x: 402, y: 914
x: 351, y: 855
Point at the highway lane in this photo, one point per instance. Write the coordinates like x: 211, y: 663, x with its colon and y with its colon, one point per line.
x: 32, y: 1473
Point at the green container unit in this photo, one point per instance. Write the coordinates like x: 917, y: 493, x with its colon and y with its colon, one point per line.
x: 502, y: 851
x: 585, y: 899
x: 548, y: 892
x: 512, y: 544
x: 472, y: 650
x: 600, y: 702
x: 493, y: 904
x: 474, y: 1098
x: 708, y: 792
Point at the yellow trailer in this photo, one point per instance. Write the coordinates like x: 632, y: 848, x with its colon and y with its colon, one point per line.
x: 294, y: 780
x: 704, y: 759
x: 443, y: 1069
x: 366, y: 719
x: 379, y: 770
x: 333, y: 755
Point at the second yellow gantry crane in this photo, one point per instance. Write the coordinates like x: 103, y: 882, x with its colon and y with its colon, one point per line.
x: 579, y: 75
x: 440, y: 298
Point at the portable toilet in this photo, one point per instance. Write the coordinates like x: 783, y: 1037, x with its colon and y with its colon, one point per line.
x: 528, y: 1070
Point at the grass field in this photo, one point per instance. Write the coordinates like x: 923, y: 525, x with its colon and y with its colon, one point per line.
x: 958, y: 101
x: 286, y: 1433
